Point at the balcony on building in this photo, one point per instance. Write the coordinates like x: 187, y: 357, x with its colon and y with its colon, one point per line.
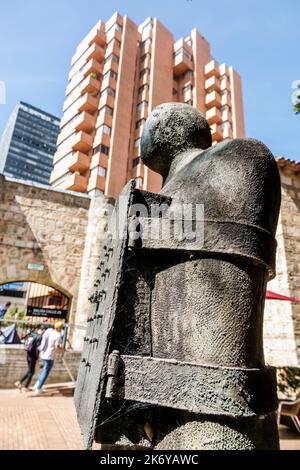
x: 101, y: 138
x: 92, y: 67
x: 95, y: 52
x: 144, y: 94
x: 99, y: 159
x: 75, y: 182
x: 216, y: 132
x: 213, y: 116
x: 182, y: 61
x: 212, y: 84
x: 96, y: 182
x: 227, y: 132
x: 79, y: 162
x: 110, y: 66
x: 224, y: 70
x: 213, y: 99
x: 82, y: 142
x: 106, y: 100
x: 225, y: 84
x: 88, y: 103
x: 99, y: 38
x: 85, y: 122
x: 90, y: 85
x: 226, y: 99
x: 138, y: 171
x: 226, y: 115
x: 212, y: 69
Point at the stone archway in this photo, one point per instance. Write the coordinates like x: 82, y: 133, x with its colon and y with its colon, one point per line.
x: 42, y: 236
x: 48, y: 284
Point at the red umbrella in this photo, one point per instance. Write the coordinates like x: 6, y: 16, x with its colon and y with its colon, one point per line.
x: 273, y: 296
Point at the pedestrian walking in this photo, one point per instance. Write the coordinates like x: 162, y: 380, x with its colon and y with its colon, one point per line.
x: 32, y: 342
x: 50, y: 345
x: 4, y: 309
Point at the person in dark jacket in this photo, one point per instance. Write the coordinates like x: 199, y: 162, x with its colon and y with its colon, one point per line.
x: 32, y: 342
x: 3, y: 310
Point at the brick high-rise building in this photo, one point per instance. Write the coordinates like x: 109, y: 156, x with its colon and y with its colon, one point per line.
x: 119, y: 73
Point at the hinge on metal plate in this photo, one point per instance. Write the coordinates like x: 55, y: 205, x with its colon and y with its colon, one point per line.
x: 112, y: 373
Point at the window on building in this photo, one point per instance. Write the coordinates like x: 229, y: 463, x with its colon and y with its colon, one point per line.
x: 108, y: 91
x: 110, y: 74
x: 145, y: 43
x: 102, y: 171
x: 188, y: 40
x: 186, y: 88
x: 136, y: 162
x: 144, y: 72
x: 104, y: 149
x: 140, y: 123
x: 188, y: 75
x: 113, y: 58
x: 105, y: 110
x: 106, y: 129
x: 183, y: 51
x: 139, y: 181
x: 112, y: 44
x: 142, y: 105
x: 116, y: 27
x: 137, y: 142
x: 147, y: 26
x: 144, y: 57
x: 226, y: 125
x: 225, y: 108
x: 143, y: 88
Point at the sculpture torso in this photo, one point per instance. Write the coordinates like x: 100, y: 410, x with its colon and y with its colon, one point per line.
x: 215, y: 300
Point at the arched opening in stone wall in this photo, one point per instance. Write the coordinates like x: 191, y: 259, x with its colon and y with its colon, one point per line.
x: 27, y: 305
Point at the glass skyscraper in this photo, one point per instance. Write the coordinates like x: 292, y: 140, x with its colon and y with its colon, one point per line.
x: 28, y: 144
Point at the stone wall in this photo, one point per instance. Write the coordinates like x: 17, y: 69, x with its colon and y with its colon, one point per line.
x: 40, y: 225
x: 13, y: 366
x: 100, y: 210
x: 282, y: 318
x: 63, y: 232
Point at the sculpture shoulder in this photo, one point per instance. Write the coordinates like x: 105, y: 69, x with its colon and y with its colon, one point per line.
x: 244, y: 151
x: 235, y: 180
x: 242, y: 162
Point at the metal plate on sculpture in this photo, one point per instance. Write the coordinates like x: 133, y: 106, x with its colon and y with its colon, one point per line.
x: 92, y: 370
x: 206, y: 389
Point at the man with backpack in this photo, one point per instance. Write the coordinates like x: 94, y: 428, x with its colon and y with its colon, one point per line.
x: 50, y: 345
x: 32, y: 342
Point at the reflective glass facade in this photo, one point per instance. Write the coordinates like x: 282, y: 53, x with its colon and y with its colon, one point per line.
x: 28, y: 144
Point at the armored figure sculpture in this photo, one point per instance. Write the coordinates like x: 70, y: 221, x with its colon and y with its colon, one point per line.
x: 185, y: 325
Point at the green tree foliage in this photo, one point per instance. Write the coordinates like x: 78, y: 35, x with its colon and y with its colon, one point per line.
x: 296, y: 97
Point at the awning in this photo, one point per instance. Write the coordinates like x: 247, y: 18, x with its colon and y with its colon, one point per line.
x: 273, y: 296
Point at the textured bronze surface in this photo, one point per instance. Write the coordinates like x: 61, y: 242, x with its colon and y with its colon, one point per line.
x: 186, y: 316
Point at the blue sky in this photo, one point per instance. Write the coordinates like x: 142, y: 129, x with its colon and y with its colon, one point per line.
x: 260, y: 38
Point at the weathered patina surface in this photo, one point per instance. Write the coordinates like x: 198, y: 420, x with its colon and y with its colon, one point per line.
x: 187, y: 322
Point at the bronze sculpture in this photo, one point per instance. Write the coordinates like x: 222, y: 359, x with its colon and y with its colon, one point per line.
x: 182, y: 319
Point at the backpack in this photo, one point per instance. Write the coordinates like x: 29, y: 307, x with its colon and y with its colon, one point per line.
x: 30, y: 343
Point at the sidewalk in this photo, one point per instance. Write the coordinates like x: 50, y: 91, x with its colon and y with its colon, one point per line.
x: 37, y: 423
x: 49, y: 423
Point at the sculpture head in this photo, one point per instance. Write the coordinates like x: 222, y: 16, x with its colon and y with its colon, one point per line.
x: 172, y: 128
